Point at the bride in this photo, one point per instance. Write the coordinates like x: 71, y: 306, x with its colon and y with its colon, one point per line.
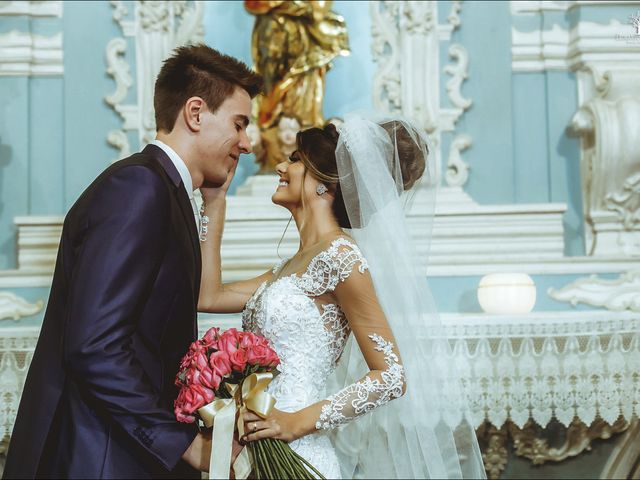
x: 350, y: 315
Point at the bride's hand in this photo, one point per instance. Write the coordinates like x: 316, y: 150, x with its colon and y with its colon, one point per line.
x: 279, y: 425
x: 210, y: 193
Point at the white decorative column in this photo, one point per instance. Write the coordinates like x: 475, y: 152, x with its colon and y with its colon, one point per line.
x: 157, y: 28
x: 608, y: 124
x: 406, y: 46
x: 606, y: 59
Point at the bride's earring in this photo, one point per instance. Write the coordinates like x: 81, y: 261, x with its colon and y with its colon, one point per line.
x: 321, y: 188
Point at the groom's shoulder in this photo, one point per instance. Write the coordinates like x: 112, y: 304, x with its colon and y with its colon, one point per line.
x: 128, y: 178
x: 140, y: 167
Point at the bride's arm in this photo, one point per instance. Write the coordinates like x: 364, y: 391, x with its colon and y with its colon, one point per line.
x: 384, y: 382
x: 216, y: 297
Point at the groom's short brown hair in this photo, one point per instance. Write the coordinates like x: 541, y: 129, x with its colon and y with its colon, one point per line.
x: 199, y: 70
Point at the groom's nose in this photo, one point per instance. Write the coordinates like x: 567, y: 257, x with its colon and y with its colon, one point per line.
x: 245, y: 143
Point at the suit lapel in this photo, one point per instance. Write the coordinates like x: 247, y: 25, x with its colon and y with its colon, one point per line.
x: 187, y: 216
x: 185, y: 209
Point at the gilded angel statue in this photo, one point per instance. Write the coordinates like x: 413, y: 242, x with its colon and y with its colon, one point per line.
x: 293, y: 45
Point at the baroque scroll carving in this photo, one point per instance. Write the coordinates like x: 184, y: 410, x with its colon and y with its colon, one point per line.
x: 406, y: 46
x: 156, y: 29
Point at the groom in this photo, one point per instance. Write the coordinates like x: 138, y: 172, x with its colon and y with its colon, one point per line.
x: 98, y: 400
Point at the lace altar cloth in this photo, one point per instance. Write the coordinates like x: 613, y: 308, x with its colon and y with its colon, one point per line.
x: 581, y: 364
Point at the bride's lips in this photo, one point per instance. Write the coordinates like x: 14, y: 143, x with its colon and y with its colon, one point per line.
x: 282, y: 183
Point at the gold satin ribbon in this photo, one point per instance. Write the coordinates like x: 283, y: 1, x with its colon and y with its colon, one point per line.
x: 221, y: 413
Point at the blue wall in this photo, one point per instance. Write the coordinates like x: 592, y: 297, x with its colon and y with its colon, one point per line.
x: 53, y: 129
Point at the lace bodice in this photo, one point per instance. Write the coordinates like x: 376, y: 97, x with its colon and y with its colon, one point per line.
x: 309, y: 330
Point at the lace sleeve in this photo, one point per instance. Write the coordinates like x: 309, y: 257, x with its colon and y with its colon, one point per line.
x: 372, y: 391
x: 385, y: 381
x: 332, y: 266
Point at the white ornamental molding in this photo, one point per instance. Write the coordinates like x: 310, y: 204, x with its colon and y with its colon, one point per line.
x: 617, y: 295
x: 608, y: 125
x: 157, y: 28
x: 586, y: 45
x: 406, y: 38
x: 454, y: 14
x: 627, y: 202
x: 459, y: 73
x: 14, y: 307
x: 50, y: 8
x: 537, y: 51
x: 25, y: 54
x: 527, y: 7
x: 457, y: 170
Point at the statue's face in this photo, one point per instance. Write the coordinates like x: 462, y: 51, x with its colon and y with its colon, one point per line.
x: 223, y: 137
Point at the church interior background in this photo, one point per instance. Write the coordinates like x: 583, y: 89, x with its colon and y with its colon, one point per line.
x: 532, y: 109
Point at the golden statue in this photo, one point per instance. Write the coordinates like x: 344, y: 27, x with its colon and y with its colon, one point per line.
x: 293, y: 45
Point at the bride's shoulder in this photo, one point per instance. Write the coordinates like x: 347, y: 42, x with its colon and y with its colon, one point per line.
x: 344, y: 253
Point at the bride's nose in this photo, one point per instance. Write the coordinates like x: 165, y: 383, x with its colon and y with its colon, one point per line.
x: 281, y: 168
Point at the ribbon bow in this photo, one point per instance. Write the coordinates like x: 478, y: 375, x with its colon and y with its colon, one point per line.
x: 248, y: 395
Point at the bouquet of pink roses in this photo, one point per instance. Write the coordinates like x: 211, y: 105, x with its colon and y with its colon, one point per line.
x: 221, y: 374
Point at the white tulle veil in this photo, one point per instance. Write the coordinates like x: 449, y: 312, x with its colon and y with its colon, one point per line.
x: 425, y: 433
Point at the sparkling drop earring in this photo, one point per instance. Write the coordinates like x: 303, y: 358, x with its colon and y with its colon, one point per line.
x: 321, y: 188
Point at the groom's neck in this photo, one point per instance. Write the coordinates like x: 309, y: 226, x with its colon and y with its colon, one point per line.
x: 183, y: 148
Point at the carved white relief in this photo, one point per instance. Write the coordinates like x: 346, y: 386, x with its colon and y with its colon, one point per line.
x: 620, y: 294
x: 386, y: 81
x: 607, y: 119
x: 49, y: 8
x: 23, y: 53
x: 118, y: 69
x: 406, y: 47
x: 457, y: 172
x: 119, y: 10
x: 158, y: 27
x: 14, y: 307
x: 459, y: 73
x: 627, y: 202
x: 119, y: 139
x: 418, y: 17
x: 607, y: 123
x: 454, y: 14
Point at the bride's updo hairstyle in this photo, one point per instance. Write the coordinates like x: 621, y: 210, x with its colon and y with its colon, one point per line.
x: 317, y: 149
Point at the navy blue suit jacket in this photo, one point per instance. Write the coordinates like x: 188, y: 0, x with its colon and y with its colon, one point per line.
x: 98, y: 399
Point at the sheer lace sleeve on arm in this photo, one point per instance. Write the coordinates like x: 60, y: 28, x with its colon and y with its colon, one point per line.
x: 357, y: 299
x: 375, y: 389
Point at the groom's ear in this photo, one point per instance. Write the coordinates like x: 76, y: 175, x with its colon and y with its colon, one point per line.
x: 192, y: 111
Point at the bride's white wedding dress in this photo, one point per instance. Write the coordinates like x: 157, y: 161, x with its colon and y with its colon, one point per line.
x: 309, y: 331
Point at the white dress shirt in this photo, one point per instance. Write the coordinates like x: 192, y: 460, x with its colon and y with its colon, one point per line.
x: 184, y: 175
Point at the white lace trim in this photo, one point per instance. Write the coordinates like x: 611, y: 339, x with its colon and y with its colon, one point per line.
x: 366, y: 394
x: 331, y: 266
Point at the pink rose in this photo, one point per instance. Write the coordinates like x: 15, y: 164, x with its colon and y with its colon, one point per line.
x: 210, y: 379
x: 272, y: 358
x: 200, y: 360
x: 220, y: 363
x: 192, y: 398
x: 238, y: 360
x: 257, y: 355
x: 229, y: 341
x: 192, y: 376
x: 247, y: 340
x: 210, y: 338
x: 182, y: 406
